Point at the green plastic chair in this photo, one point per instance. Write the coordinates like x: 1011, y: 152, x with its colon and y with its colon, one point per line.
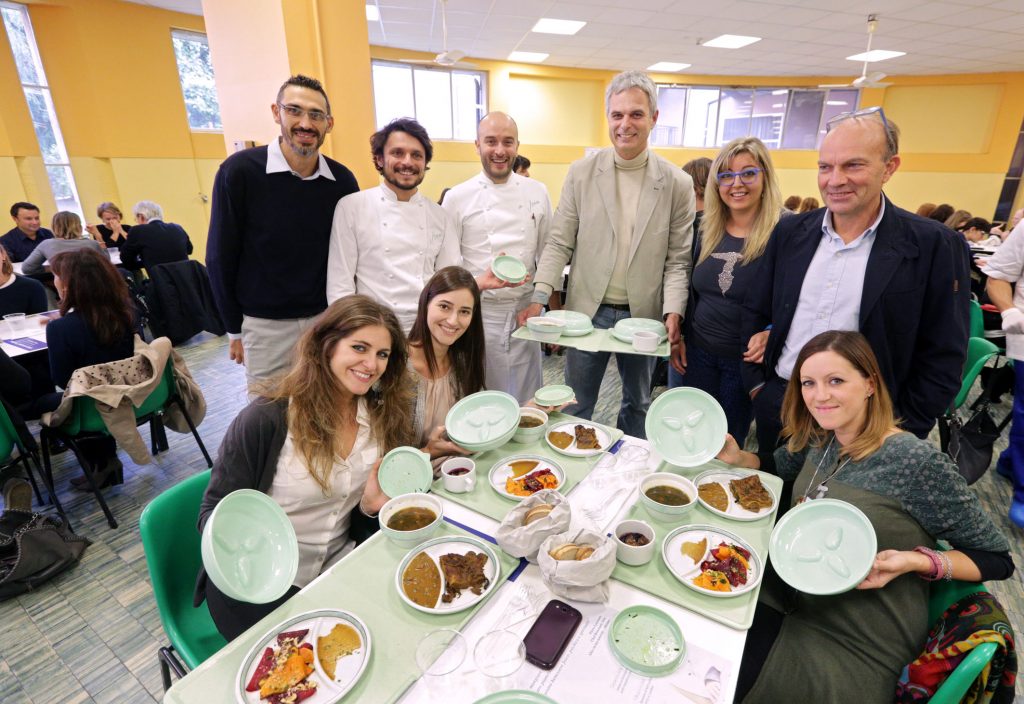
x: 173, y: 554
x: 85, y: 422
x: 943, y: 595
x: 979, y: 352
x: 10, y: 440
x: 977, y: 320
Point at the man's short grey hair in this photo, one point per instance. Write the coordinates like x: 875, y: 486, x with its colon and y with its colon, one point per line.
x: 632, y: 79
x: 148, y: 209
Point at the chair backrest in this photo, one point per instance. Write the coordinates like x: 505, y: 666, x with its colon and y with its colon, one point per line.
x: 173, y: 554
x: 977, y: 320
x: 979, y: 351
x: 8, y: 435
x: 943, y: 595
x: 85, y: 418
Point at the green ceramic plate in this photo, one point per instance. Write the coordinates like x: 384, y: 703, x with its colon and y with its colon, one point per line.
x: 624, y: 329
x: 576, y: 324
x: 824, y: 546
x: 603, y: 438
x: 405, y: 470
x: 554, y: 395
x: 733, y: 510
x: 249, y: 547
x: 482, y: 417
x: 444, y: 545
x: 508, y: 268
x: 503, y: 469
x: 516, y: 696
x: 685, y: 569
x: 686, y: 426
x: 647, y: 641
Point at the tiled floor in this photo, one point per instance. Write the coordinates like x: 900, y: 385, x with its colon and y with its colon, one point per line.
x: 91, y: 635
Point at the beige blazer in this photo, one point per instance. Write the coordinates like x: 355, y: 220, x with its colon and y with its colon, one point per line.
x: 583, y: 231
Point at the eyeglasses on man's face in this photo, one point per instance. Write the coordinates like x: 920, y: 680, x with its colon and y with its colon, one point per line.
x: 746, y: 177
x: 875, y: 111
x: 315, y: 116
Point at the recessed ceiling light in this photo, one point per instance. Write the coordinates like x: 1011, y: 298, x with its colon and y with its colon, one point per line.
x: 667, y: 66
x: 836, y: 102
x: 372, y: 13
x: 528, y: 57
x: 730, y: 41
x: 876, y: 55
x: 546, y: 25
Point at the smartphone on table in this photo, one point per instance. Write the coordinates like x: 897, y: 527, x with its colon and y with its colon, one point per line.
x: 550, y: 634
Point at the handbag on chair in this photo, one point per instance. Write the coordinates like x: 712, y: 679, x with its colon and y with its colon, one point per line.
x: 970, y: 443
x: 34, y: 548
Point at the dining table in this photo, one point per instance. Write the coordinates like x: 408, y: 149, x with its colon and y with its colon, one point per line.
x: 364, y: 583
x: 27, y: 335
x: 113, y: 252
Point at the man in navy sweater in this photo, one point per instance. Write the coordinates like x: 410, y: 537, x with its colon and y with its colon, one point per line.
x: 21, y: 239
x: 270, y: 230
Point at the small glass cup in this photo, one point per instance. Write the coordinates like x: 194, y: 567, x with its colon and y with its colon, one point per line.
x: 441, y: 652
x: 499, y: 654
x: 15, y: 322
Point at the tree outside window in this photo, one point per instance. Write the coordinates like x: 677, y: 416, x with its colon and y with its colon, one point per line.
x: 195, y: 70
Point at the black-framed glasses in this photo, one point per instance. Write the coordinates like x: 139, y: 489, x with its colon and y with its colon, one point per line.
x: 866, y: 112
x: 315, y: 116
x: 746, y: 177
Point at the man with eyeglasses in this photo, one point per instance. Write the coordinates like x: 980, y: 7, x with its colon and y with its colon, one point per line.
x: 270, y: 229
x: 862, y: 264
x: 625, y: 219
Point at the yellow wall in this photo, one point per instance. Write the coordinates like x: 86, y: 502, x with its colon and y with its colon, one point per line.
x: 958, y: 131
x: 120, y: 109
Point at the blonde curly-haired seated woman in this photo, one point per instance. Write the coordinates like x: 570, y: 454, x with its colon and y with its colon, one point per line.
x: 314, y: 441
x: 851, y: 647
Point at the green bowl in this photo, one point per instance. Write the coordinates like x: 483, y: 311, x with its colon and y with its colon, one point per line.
x: 249, y: 547
x: 824, y: 546
x: 509, y: 268
x: 576, y: 324
x: 524, y: 435
x: 664, y: 512
x: 647, y: 641
x: 554, y: 395
x: 624, y: 329
x: 411, y: 538
x: 479, y: 421
x: 405, y: 470
x: 686, y: 426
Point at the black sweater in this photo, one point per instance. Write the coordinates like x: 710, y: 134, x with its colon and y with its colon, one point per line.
x: 25, y: 295
x: 269, y: 238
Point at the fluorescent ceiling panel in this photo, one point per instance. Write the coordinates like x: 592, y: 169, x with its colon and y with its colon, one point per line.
x: 547, y: 25
x: 730, y: 41
x: 876, y: 55
x: 667, y: 66
x: 527, y: 57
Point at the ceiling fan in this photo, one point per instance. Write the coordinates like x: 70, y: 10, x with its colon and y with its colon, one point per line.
x: 447, y: 58
x: 865, y: 80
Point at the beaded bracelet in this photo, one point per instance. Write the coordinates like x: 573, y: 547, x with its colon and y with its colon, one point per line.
x: 937, y: 564
x: 948, y: 576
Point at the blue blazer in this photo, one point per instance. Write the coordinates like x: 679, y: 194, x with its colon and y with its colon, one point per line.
x: 915, y: 307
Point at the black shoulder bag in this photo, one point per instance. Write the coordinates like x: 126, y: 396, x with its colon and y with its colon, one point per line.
x: 34, y: 548
x: 970, y: 442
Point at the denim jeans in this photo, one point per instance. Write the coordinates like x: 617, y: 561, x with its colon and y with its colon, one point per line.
x: 585, y: 370
x: 1012, y: 457
x: 720, y: 377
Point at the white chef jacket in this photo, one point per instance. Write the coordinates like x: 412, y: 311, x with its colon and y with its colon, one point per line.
x: 1007, y: 264
x: 511, y: 217
x: 388, y: 250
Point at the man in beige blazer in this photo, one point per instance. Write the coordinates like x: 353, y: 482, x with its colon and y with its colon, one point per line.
x: 625, y: 220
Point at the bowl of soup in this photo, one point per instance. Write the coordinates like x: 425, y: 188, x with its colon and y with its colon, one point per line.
x: 532, y: 423
x: 667, y: 496
x: 409, y: 519
x: 545, y: 329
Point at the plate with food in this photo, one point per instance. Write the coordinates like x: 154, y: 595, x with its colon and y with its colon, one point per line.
x: 712, y: 561
x: 578, y: 439
x: 735, y: 494
x: 447, y: 574
x: 519, y: 476
x: 315, y: 658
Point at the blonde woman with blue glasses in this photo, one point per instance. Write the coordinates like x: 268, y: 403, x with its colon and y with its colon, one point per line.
x: 742, y: 203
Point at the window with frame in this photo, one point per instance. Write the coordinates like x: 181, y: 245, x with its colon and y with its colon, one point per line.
x: 40, y: 106
x: 447, y: 102
x: 782, y: 118
x: 195, y: 71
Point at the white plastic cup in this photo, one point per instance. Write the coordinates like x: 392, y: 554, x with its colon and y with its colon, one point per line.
x: 634, y: 555
x: 646, y: 341
x: 460, y: 482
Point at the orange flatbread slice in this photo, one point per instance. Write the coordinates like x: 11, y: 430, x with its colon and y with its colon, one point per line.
x: 521, y: 467
x: 695, y: 551
x: 714, y: 495
x: 561, y: 440
x: 421, y: 581
x: 341, y: 641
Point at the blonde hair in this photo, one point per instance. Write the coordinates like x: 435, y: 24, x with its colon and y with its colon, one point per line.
x: 800, y: 426
x: 6, y: 266
x: 66, y: 225
x: 315, y: 411
x: 716, y: 213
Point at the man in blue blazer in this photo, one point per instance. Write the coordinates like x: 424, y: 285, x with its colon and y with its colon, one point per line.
x: 152, y: 241
x: 862, y: 264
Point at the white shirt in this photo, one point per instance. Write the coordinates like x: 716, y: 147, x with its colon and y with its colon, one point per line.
x: 387, y: 249
x: 832, y: 289
x: 321, y: 522
x: 276, y: 163
x: 491, y: 218
x: 1007, y: 264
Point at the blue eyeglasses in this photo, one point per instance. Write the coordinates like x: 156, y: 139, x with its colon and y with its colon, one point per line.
x: 747, y: 176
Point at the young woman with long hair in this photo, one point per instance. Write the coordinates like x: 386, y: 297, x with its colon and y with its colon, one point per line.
x: 742, y: 204
x: 67, y: 237
x: 314, y: 440
x: 446, y: 354
x: 844, y: 440
x: 96, y: 325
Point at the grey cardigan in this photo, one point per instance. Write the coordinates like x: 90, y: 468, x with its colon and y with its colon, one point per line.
x: 48, y: 249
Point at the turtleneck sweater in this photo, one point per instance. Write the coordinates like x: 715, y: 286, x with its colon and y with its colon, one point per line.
x: 629, y: 180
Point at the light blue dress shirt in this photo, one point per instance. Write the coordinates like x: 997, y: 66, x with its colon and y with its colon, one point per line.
x: 832, y: 290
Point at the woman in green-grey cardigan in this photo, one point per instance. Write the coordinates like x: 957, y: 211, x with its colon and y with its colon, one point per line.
x: 843, y: 440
